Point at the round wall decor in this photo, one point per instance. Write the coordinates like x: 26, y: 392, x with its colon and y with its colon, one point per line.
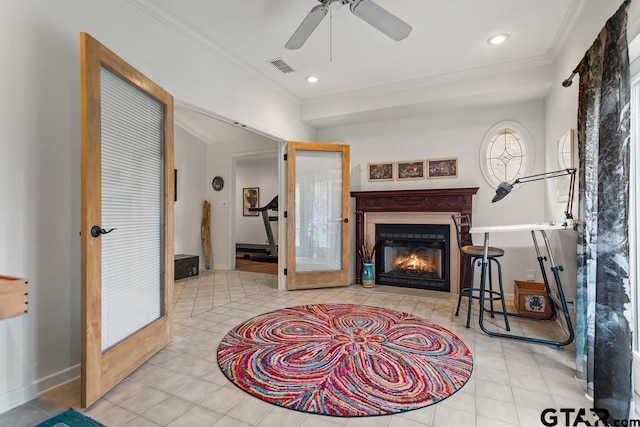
x: 217, y: 183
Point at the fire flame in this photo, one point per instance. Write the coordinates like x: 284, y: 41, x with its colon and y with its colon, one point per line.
x: 413, y: 262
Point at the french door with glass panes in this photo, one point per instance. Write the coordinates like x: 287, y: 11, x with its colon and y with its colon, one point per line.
x: 317, y: 215
x: 127, y: 218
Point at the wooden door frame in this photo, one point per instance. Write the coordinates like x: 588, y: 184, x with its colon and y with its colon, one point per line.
x: 102, y: 371
x: 333, y: 278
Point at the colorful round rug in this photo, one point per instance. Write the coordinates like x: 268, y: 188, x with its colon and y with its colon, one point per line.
x: 345, y: 360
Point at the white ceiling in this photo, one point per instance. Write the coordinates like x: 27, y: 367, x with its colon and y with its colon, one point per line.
x: 448, y: 45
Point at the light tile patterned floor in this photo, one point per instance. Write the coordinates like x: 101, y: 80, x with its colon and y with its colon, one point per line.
x: 182, y: 385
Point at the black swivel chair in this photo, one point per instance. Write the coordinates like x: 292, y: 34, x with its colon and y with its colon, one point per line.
x: 470, y: 254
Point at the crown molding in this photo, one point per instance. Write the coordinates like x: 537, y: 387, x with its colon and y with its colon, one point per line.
x: 567, y: 25
x: 182, y: 27
x: 476, y: 90
x: 444, y: 78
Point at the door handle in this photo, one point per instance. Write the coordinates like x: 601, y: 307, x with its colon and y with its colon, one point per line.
x: 345, y: 220
x: 97, y: 231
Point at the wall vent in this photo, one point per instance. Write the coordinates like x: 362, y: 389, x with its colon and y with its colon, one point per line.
x: 281, y: 65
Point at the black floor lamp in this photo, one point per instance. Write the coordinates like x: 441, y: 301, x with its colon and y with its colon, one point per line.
x: 505, y: 188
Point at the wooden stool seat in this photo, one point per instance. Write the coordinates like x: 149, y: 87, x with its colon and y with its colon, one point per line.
x: 478, y: 251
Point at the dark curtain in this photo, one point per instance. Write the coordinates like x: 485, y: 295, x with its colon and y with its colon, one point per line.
x: 603, y: 343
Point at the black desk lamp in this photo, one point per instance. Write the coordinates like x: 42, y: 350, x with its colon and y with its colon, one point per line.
x: 505, y: 188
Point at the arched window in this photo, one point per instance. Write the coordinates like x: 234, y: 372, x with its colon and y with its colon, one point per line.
x: 506, y: 153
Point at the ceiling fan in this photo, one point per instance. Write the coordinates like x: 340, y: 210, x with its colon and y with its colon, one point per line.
x: 366, y: 10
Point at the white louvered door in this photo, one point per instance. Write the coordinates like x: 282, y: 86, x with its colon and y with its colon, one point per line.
x: 127, y: 218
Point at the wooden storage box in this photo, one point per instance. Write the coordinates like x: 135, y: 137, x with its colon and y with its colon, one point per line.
x: 531, y: 298
x: 13, y: 296
x: 185, y: 266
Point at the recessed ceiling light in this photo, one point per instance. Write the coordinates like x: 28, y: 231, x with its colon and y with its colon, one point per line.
x: 312, y: 79
x: 498, y: 39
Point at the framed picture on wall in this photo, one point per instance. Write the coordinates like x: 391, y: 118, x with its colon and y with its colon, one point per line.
x: 411, y: 170
x: 443, y: 168
x: 380, y: 171
x: 250, y: 199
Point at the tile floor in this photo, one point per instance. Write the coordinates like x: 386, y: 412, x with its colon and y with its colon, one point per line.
x: 182, y: 385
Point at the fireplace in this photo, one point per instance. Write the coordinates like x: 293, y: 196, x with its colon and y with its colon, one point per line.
x: 414, y: 208
x: 413, y: 255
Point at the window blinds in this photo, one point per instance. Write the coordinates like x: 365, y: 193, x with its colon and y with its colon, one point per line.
x: 132, y: 203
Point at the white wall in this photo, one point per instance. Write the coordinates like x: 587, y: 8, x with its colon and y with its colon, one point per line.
x: 220, y: 161
x: 40, y: 158
x: 262, y: 173
x: 455, y: 134
x: 190, y: 157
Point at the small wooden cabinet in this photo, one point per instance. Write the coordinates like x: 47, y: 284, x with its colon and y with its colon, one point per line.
x: 185, y: 266
x: 13, y: 296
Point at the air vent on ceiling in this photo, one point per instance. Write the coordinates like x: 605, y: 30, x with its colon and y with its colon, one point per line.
x: 281, y: 65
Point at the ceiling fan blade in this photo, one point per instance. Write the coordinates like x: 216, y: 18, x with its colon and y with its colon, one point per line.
x: 381, y: 19
x: 307, y: 26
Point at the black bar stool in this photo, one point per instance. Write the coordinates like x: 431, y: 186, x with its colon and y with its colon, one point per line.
x: 470, y: 254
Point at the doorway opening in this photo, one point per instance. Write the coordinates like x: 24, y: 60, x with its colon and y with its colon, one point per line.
x: 209, y: 146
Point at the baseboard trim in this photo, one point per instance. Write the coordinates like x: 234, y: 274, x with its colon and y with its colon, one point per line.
x: 26, y: 394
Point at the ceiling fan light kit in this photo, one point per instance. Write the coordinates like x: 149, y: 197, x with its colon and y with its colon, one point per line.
x: 367, y: 10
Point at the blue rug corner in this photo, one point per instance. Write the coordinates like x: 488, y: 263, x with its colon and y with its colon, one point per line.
x: 70, y: 418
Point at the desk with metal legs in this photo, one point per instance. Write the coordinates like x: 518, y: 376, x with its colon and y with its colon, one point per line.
x: 556, y: 298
